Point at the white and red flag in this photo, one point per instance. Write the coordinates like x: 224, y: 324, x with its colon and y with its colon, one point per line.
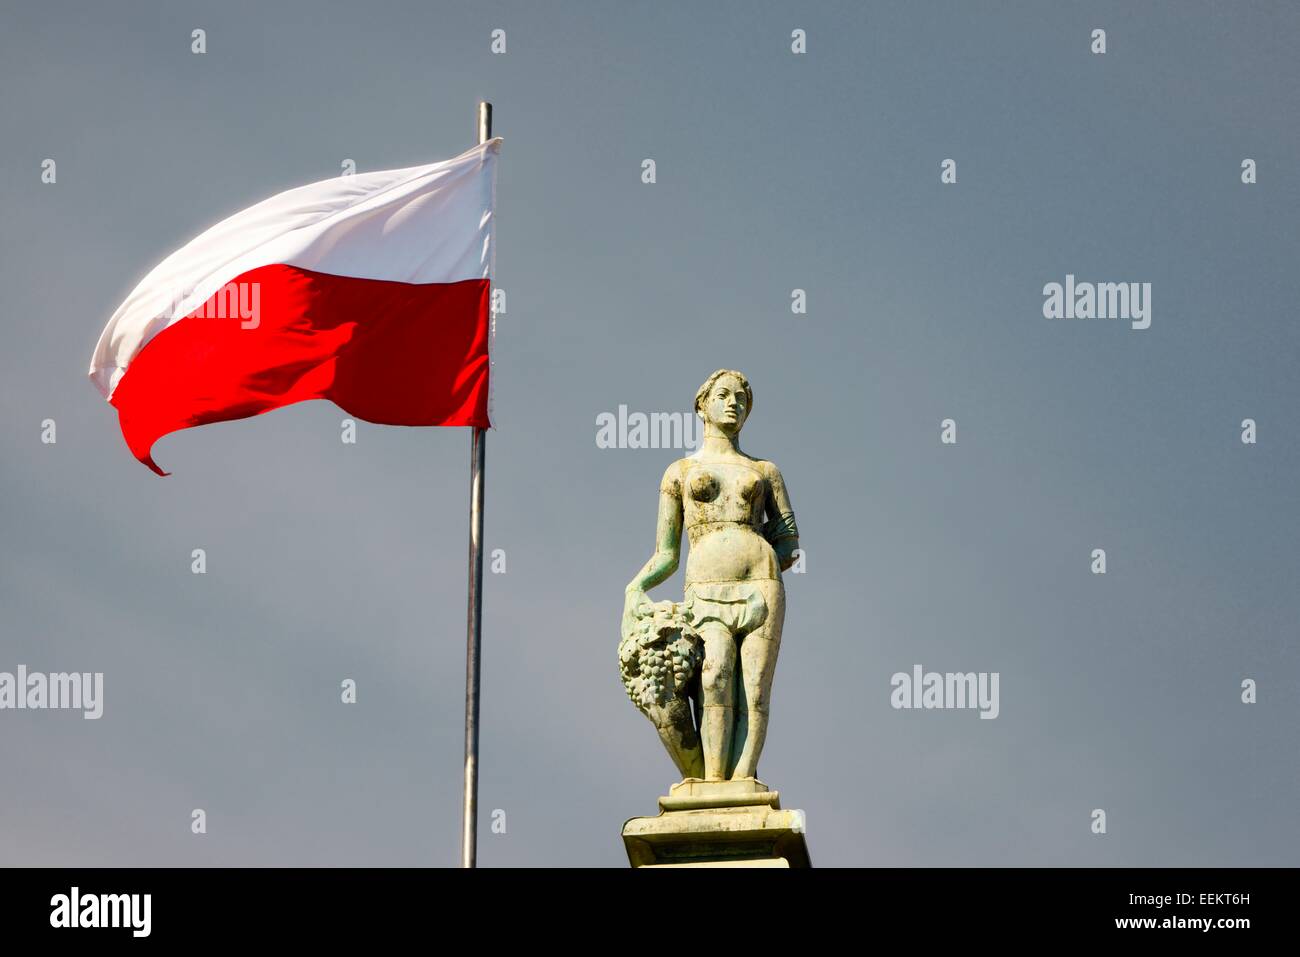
x: 370, y: 290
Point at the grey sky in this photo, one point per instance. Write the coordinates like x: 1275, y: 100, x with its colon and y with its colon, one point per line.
x: 775, y: 171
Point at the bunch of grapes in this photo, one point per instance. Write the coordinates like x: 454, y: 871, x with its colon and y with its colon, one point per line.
x: 659, y: 659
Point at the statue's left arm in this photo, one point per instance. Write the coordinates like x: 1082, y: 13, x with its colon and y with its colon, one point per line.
x: 780, y: 529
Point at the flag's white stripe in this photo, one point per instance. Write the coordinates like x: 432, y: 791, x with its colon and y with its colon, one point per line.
x: 424, y: 224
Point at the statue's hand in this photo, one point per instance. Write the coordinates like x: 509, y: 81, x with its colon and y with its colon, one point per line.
x: 635, y: 604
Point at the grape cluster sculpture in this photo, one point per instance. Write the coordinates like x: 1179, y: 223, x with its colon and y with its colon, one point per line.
x: 660, y: 658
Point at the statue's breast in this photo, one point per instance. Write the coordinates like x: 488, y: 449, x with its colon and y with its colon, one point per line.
x: 704, y: 486
x: 725, y: 492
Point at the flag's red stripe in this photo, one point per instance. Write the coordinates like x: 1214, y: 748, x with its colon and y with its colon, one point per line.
x: 388, y: 352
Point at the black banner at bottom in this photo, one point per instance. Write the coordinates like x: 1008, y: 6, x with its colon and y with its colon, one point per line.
x: 372, y: 905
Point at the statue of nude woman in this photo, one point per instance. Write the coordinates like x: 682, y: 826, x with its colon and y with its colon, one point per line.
x: 742, y: 535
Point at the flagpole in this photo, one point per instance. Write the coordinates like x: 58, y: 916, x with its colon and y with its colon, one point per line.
x: 474, y: 625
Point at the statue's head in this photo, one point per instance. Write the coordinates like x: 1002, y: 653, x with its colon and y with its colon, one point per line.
x: 725, y: 401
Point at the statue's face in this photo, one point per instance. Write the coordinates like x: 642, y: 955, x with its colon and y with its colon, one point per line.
x: 725, y: 406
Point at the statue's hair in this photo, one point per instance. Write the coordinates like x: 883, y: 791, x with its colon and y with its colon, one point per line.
x: 708, y: 384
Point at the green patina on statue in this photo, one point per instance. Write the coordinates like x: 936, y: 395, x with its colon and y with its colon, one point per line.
x: 701, y: 669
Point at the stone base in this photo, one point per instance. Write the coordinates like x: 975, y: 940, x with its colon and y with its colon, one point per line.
x: 718, y: 824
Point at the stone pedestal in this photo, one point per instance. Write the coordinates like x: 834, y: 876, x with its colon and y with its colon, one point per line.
x: 718, y: 824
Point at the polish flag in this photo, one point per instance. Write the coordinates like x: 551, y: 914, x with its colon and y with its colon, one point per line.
x: 369, y: 290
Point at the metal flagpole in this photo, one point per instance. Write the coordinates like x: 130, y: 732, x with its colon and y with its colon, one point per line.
x: 474, y: 626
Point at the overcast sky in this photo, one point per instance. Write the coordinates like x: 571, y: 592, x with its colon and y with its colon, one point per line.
x: 775, y: 171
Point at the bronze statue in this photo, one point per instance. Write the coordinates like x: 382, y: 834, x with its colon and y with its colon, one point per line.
x: 702, y: 669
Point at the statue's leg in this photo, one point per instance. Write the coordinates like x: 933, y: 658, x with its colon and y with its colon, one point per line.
x: 758, y: 651
x: 717, y: 675
x: 740, y: 729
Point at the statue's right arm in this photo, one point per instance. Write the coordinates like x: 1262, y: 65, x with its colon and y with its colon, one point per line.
x: 668, y: 543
